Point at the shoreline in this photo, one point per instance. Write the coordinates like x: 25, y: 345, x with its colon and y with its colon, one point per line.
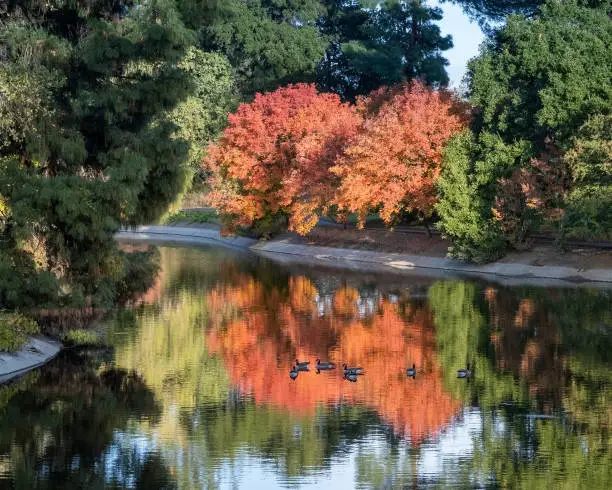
x: 282, y: 250
x: 37, y: 351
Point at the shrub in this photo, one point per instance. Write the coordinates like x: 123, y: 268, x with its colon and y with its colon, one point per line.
x: 15, y: 329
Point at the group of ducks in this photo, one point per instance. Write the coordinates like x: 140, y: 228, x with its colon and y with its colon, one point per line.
x: 351, y: 373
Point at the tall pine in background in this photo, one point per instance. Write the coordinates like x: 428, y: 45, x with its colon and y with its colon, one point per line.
x: 378, y: 43
x: 86, y: 142
x: 269, y: 43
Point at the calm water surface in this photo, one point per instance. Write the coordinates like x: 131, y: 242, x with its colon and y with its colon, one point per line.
x: 195, y: 392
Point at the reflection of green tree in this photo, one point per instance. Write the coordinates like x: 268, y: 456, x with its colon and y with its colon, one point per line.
x: 56, y: 432
x: 462, y: 335
x: 298, y: 444
x: 9, y: 390
x: 516, y: 450
x: 388, y: 466
x: 542, y: 454
x: 166, y: 343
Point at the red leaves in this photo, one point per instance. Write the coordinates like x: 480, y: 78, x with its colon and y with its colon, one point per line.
x: 297, y: 152
x: 529, y: 195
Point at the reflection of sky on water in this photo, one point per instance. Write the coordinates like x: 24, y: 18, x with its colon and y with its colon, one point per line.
x: 436, y: 461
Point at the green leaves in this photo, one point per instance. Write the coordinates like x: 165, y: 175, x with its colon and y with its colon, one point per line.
x: 269, y: 43
x: 543, y: 77
x: 15, y: 330
x: 381, y: 45
x: 588, y: 212
x: 86, y: 139
x: 535, y: 84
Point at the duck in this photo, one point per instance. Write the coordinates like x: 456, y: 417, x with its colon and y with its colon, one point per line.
x: 293, y: 373
x: 350, y: 377
x: 352, y: 370
x: 464, y: 373
x: 411, y: 372
x: 302, y: 364
x: 324, y: 366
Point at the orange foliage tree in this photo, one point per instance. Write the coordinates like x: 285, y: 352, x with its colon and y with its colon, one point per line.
x: 395, y: 160
x: 275, y: 154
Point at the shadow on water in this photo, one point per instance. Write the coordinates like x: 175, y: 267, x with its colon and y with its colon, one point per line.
x: 195, y: 392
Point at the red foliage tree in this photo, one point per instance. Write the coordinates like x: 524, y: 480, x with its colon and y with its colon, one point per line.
x: 529, y: 196
x: 275, y: 154
x: 395, y: 160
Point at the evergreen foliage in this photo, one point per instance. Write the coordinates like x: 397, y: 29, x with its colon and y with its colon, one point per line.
x: 588, y: 213
x: 84, y: 144
x: 486, y: 11
x: 269, y: 42
x: 381, y: 43
x: 536, y: 82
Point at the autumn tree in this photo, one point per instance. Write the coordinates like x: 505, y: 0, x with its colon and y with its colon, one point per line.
x: 395, y: 160
x: 273, y: 159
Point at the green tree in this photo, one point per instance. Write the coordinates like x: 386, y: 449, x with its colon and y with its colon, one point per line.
x: 536, y: 82
x: 84, y: 146
x: 269, y: 42
x: 381, y: 43
x: 497, y: 10
x: 203, y: 115
x: 588, y: 213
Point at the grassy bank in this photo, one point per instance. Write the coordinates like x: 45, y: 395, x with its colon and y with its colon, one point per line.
x: 15, y: 329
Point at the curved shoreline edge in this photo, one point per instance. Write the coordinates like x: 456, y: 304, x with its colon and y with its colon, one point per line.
x: 506, y: 272
x: 37, y: 351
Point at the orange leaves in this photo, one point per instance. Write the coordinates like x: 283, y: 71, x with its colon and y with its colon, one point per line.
x: 395, y: 160
x: 529, y: 195
x: 298, y: 152
x: 276, y: 153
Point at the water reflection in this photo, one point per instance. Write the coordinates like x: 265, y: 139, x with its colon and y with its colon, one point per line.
x: 259, y: 330
x: 195, y: 392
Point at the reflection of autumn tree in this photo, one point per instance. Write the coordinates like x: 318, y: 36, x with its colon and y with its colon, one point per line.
x: 259, y: 331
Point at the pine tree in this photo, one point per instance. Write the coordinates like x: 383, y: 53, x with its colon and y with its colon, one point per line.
x: 84, y: 144
x: 269, y: 42
x: 381, y: 43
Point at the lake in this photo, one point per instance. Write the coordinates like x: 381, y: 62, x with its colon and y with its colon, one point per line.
x: 194, y: 389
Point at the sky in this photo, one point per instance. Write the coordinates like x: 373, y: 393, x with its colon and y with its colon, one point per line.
x: 467, y: 36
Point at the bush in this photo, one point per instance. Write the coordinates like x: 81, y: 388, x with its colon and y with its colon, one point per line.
x: 463, y: 207
x: 192, y: 217
x: 588, y: 212
x: 81, y: 337
x: 15, y: 329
